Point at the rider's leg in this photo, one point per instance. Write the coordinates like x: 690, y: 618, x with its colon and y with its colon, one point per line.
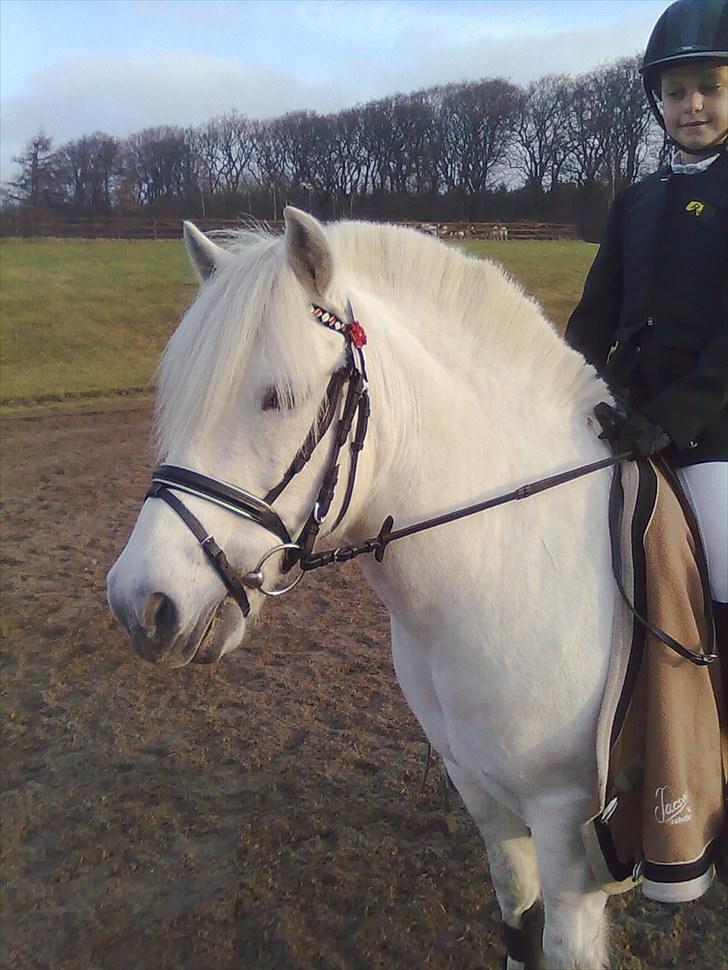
x: 513, y: 868
x: 706, y: 485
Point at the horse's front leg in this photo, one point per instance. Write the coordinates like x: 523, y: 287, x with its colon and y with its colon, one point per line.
x: 513, y: 869
x: 575, y: 933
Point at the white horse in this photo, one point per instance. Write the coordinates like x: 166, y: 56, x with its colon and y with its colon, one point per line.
x: 501, y: 623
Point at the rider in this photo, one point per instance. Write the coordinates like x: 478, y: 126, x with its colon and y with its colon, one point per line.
x: 653, y: 317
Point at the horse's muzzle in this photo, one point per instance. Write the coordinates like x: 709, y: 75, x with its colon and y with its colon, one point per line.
x: 152, y: 622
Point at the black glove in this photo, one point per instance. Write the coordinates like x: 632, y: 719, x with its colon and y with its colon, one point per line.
x: 633, y: 432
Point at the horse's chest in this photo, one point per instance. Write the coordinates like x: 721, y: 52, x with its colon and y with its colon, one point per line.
x: 458, y: 697
x: 486, y: 709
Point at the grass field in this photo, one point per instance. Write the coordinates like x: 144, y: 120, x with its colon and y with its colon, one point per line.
x: 84, y: 319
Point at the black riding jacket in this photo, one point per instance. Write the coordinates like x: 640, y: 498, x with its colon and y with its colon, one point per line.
x: 653, y: 317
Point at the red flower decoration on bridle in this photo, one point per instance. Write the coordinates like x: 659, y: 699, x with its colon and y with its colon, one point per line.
x: 356, y: 333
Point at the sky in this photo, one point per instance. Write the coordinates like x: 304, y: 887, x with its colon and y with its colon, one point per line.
x: 73, y: 67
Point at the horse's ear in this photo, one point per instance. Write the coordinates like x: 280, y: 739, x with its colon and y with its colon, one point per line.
x: 308, y: 250
x: 205, y: 255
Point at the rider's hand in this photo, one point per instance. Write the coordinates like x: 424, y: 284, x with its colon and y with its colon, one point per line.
x: 633, y: 432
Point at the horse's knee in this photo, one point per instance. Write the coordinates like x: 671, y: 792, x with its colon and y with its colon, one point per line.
x: 514, y: 873
x: 511, y: 853
x: 564, y: 932
x: 575, y: 932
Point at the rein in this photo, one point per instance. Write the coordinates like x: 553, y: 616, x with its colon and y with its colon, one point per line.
x: 378, y: 544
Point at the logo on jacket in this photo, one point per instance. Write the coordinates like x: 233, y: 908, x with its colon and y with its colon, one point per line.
x: 695, y: 206
x: 672, y: 812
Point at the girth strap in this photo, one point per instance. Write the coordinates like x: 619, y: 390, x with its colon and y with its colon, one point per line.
x: 214, y: 553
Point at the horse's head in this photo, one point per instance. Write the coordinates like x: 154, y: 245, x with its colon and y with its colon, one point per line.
x: 252, y: 389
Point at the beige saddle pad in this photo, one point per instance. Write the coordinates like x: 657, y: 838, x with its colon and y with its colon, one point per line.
x: 662, y: 740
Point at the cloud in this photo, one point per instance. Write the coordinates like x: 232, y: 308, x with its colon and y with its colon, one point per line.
x: 318, y: 56
x: 520, y: 59
x: 119, y: 96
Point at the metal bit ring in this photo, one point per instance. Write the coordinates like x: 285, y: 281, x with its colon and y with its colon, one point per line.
x: 254, y: 579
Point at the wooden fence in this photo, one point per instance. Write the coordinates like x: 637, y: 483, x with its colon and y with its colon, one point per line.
x: 111, y: 228
x: 496, y: 230
x: 130, y: 228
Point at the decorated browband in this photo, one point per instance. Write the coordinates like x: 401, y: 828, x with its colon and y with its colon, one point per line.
x: 352, y: 329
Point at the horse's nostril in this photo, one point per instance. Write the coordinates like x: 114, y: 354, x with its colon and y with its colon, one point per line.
x: 158, y: 617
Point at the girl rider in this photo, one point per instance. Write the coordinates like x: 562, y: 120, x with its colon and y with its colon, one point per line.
x: 653, y: 317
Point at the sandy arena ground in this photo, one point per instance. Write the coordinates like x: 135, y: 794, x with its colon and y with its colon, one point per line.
x: 267, y: 812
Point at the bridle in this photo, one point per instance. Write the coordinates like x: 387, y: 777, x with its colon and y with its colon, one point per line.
x: 348, y: 384
x: 352, y: 376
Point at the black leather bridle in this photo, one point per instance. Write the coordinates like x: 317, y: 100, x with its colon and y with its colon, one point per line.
x: 168, y: 479
x: 348, y: 383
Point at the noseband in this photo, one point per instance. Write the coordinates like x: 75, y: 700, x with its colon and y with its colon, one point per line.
x: 348, y: 383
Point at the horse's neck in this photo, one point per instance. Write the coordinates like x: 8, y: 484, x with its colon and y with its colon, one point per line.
x: 445, y: 434
x: 450, y: 426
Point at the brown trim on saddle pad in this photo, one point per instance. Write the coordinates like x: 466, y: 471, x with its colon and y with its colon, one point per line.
x: 644, y: 505
x: 663, y: 724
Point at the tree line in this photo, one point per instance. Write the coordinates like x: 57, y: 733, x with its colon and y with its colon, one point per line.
x: 557, y: 150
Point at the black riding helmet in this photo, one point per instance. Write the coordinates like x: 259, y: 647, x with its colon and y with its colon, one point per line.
x: 688, y: 31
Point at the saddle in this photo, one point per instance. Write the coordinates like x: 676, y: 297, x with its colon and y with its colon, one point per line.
x: 662, y: 734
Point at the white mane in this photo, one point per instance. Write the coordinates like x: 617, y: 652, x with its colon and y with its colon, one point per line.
x: 467, y: 311
x: 470, y: 309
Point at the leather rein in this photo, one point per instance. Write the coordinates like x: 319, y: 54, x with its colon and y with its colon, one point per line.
x: 352, y: 376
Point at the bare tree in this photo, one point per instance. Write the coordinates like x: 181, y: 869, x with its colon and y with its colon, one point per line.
x: 588, y: 128
x: 478, y: 122
x: 629, y: 123
x: 380, y: 140
x: 226, y: 149
x: 541, y: 137
x: 161, y: 170
x: 347, y: 156
x: 270, y: 162
x: 410, y: 144
x: 85, y: 173
x: 36, y: 184
x: 440, y: 150
x: 207, y: 140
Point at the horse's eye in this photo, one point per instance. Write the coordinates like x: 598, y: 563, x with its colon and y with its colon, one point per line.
x: 273, y: 401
